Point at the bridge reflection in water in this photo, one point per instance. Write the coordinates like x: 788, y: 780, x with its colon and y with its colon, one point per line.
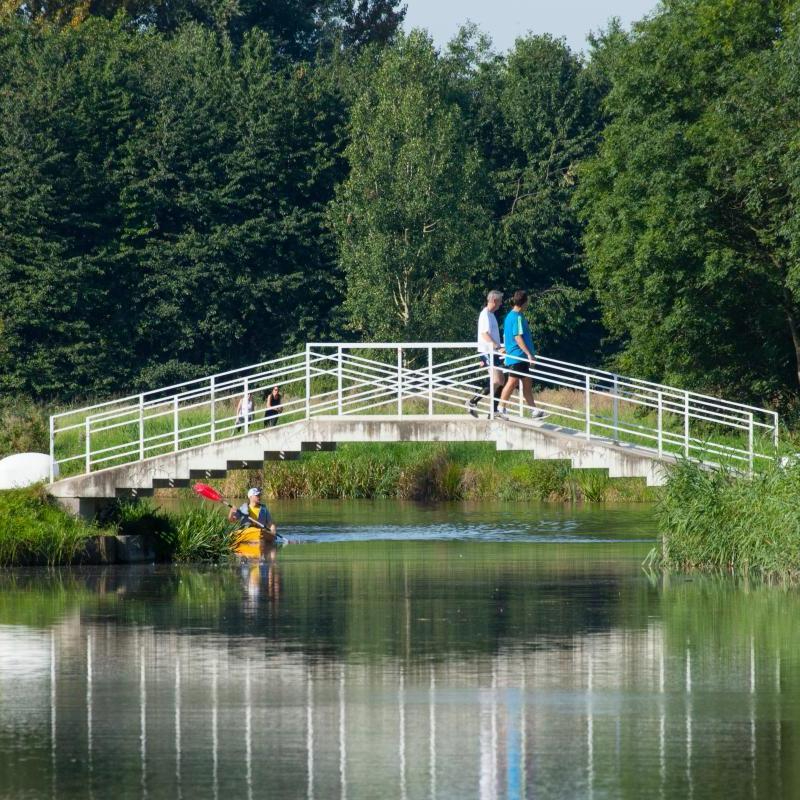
x: 221, y: 691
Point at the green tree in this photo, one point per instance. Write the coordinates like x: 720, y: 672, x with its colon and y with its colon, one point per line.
x: 297, y: 27
x: 411, y: 227
x: 754, y: 145
x: 685, y: 301
x: 546, y: 121
x: 227, y: 183
x: 67, y: 105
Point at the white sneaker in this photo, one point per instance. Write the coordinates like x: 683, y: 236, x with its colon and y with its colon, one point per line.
x: 502, y: 414
x: 537, y: 413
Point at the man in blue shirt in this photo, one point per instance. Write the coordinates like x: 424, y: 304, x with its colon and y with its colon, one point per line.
x: 519, y: 349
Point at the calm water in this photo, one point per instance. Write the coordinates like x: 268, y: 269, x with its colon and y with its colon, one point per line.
x: 403, y: 652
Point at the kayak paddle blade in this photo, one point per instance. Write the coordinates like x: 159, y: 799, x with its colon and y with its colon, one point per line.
x: 204, y: 490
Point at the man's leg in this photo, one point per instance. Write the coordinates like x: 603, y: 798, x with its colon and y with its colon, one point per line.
x: 475, y: 399
x: 527, y: 391
x: 499, y: 382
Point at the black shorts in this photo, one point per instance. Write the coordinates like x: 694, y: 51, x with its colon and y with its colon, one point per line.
x: 518, y: 366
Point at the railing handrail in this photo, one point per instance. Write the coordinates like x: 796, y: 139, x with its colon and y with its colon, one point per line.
x: 364, y: 384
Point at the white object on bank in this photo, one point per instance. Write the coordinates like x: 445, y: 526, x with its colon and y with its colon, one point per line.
x: 25, y: 469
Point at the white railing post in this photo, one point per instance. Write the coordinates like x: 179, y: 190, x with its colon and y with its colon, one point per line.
x: 660, y: 424
x: 775, y: 429
x: 491, y: 384
x: 175, y: 424
x: 308, y: 381
x: 587, y: 407
x: 430, y: 381
x: 246, y: 405
x: 213, y: 409
x: 686, y: 424
x: 141, y: 427
x: 399, y: 381
x: 87, y: 425
x: 521, y: 398
x: 339, y: 380
x: 616, y: 408
x: 750, y: 454
x: 52, y: 448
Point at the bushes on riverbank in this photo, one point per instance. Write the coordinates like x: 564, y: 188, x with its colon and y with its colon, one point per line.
x: 196, y: 532
x: 33, y: 529
x: 411, y: 471
x: 713, y: 520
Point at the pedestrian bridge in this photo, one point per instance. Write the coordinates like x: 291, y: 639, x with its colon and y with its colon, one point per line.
x: 391, y: 392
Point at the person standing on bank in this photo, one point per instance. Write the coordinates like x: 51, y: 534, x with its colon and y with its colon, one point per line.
x: 519, y: 347
x: 489, y: 348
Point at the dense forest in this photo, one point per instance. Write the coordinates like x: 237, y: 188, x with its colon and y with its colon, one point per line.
x: 196, y: 185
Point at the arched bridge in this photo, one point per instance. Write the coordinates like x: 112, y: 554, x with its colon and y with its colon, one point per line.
x: 391, y: 392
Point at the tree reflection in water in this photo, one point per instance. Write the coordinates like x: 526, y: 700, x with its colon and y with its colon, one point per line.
x: 397, y: 670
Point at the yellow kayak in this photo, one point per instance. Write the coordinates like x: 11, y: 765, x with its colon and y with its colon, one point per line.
x: 248, y: 542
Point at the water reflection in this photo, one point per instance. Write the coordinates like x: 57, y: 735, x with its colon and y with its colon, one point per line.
x: 441, y: 670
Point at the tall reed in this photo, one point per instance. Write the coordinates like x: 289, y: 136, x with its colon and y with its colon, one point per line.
x: 718, y: 520
x: 421, y: 471
x: 34, y: 530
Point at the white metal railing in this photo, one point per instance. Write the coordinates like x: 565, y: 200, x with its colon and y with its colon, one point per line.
x: 397, y: 379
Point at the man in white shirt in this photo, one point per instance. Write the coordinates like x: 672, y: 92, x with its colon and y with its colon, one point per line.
x: 489, y: 348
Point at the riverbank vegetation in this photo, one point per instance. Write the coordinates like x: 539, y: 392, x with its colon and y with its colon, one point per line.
x: 192, y: 174
x: 411, y: 471
x: 718, y: 521
x: 34, y: 529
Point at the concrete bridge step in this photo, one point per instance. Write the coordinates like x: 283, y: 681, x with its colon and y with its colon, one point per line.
x: 282, y: 455
x: 132, y: 492
x: 171, y: 483
x: 316, y: 447
x: 206, y: 474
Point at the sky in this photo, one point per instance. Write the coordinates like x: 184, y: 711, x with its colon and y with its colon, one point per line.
x: 505, y: 20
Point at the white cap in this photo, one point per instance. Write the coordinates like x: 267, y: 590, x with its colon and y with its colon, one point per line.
x: 254, y: 492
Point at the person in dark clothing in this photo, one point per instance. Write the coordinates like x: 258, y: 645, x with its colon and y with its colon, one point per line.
x: 274, y: 407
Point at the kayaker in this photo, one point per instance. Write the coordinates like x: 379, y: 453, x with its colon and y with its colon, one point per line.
x: 254, y: 509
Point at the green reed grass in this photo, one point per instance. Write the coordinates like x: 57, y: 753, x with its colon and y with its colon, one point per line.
x: 200, y: 533
x: 718, y: 520
x: 195, y: 532
x: 422, y: 471
x: 34, y: 530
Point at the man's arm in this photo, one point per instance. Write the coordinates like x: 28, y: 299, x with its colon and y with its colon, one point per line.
x: 487, y: 337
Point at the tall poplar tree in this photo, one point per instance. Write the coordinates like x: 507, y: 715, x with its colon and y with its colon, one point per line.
x: 411, y: 226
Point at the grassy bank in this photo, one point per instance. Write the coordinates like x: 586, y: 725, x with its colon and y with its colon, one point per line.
x: 35, y: 530
x: 412, y: 471
x: 719, y: 522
